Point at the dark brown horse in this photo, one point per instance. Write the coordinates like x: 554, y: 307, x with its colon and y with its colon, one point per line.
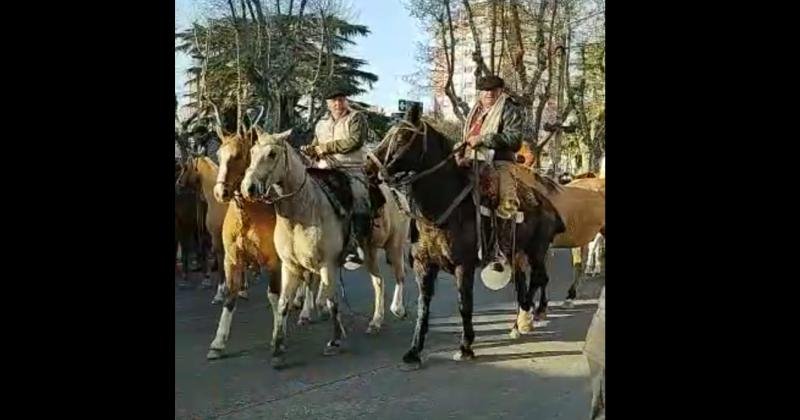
x: 416, y: 156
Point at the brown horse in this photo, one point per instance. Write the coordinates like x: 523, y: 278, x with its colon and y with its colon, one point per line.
x: 188, y: 232
x: 594, y: 207
x: 247, y: 230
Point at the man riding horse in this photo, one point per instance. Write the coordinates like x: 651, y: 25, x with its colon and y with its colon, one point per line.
x: 338, y: 143
x: 495, y: 123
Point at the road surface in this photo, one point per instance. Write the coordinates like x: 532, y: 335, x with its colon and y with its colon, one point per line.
x: 542, y: 375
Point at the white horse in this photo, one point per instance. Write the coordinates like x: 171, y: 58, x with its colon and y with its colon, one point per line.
x: 310, y: 235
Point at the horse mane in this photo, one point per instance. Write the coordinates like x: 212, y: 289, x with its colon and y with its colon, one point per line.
x: 209, y: 161
x: 552, y: 186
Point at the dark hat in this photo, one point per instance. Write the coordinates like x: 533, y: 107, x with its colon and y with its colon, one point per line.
x: 335, y: 91
x: 490, y: 82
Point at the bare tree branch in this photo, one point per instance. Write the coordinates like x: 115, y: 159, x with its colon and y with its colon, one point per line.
x: 518, y: 58
x: 302, y: 7
x: 477, y: 56
x: 493, y: 23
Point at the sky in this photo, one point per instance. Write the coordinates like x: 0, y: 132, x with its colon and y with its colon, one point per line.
x: 389, y: 49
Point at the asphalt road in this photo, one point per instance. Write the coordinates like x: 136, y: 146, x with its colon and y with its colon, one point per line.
x: 542, y: 375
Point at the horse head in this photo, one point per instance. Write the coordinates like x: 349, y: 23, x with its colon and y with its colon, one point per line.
x: 403, y: 149
x: 269, y: 163
x: 234, y: 157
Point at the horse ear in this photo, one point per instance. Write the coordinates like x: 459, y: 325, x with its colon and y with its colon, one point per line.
x: 283, y: 136
x: 413, y: 114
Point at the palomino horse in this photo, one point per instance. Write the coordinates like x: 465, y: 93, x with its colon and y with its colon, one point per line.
x: 414, y: 150
x: 594, y: 222
x: 247, y: 231
x: 200, y: 174
x: 311, y: 233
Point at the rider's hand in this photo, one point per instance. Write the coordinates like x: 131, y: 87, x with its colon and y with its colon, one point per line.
x: 474, y: 141
x: 309, y: 150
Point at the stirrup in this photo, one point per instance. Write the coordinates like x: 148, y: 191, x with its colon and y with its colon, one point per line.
x: 354, y: 261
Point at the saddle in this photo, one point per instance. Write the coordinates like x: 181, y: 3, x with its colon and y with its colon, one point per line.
x: 530, y: 190
x: 336, y: 186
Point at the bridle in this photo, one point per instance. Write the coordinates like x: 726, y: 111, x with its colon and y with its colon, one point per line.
x: 403, y: 179
x: 269, y: 182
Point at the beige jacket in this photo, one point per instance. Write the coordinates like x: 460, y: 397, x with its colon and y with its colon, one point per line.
x: 342, y: 141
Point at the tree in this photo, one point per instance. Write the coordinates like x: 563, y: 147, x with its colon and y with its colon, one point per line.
x: 535, y: 56
x: 257, y: 55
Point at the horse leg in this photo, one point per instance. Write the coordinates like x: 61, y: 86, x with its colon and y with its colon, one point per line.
x: 232, y: 271
x: 247, y: 274
x: 217, y: 256
x: 464, y: 279
x: 377, y: 284
x: 425, y: 277
x: 327, y: 276
x: 290, y: 280
x: 591, y: 257
x: 524, y: 304
x: 539, y: 278
x: 398, y: 307
x: 185, y: 264
x: 220, y: 296
x: 307, y: 300
x: 274, y: 294
x: 577, y: 278
x: 297, y: 303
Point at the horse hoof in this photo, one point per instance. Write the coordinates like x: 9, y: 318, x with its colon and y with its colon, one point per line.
x: 461, y: 355
x: 244, y: 295
x: 277, y: 362
x: 351, y: 266
x: 411, y: 362
x: 514, y: 334
x: 401, y: 314
x: 568, y: 304
x: 214, y: 354
x: 524, y: 322
x: 331, y: 349
x: 303, y: 321
x: 373, y: 329
x: 410, y: 367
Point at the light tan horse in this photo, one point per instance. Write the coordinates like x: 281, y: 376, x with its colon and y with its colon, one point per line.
x: 588, y: 229
x: 247, y: 231
x: 583, y: 211
x: 310, y: 234
x: 200, y: 174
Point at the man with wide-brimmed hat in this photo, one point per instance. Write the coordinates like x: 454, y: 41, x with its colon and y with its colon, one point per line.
x: 495, y: 124
x: 338, y: 143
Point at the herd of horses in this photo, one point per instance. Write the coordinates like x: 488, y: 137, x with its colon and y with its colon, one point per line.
x: 266, y: 207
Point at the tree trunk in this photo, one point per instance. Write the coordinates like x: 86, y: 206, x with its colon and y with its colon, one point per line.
x: 494, y: 36
x: 477, y: 55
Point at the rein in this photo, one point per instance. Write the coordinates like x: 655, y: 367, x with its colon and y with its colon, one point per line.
x: 410, y: 178
x: 265, y: 197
